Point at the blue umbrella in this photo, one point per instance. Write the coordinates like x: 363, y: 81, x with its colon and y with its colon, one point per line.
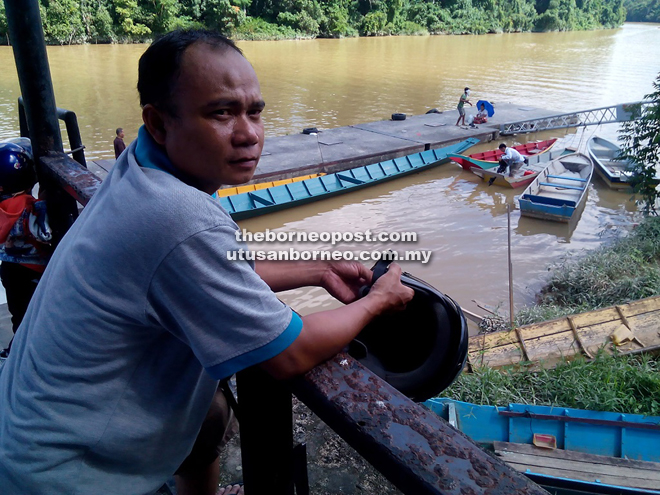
x: 488, y: 105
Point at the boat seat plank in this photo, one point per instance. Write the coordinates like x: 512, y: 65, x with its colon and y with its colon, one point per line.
x: 634, y: 483
x: 258, y: 199
x: 561, y: 186
x: 548, y: 201
x: 650, y: 470
x: 566, y: 178
x: 348, y: 178
x: 576, y: 465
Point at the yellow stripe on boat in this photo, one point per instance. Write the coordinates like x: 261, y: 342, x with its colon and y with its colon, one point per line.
x: 230, y: 191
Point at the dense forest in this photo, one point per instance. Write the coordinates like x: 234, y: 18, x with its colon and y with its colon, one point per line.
x: 103, y: 21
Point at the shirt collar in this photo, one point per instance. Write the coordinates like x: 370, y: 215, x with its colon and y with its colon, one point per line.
x: 149, y: 154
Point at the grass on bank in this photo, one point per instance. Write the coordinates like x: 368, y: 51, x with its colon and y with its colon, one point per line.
x: 624, y: 384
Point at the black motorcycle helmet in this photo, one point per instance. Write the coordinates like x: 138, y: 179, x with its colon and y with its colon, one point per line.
x: 17, y: 172
x: 419, y: 351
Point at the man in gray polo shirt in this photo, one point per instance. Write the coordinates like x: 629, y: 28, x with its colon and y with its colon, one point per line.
x: 140, y: 312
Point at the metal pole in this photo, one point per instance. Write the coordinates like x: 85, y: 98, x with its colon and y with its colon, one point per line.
x: 27, y: 39
x: 508, y: 225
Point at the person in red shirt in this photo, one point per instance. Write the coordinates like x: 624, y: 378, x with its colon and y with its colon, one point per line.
x: 25, y: 234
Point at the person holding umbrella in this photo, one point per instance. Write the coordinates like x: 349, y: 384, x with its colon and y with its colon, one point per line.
x: 486, y: 110
x: 461, y: 103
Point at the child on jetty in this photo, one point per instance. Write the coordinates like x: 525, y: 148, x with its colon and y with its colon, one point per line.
x: 24, y: 231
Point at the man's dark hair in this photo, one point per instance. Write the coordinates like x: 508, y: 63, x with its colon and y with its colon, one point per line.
x: 160, y: 65
x: 119, y: 131
x: 502, y: 146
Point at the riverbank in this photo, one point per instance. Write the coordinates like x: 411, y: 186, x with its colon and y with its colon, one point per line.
x: 625, y: 270
x: 78, y: 21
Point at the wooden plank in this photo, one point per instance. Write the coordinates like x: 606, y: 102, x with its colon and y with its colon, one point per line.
x: 576, y: 465
x: 577, y: 475
x: 636, y: 308
x: 592, y: 470
x: 550, y: 341
x: 604, y: 463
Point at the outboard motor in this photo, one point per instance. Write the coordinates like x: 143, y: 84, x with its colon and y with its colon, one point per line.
x: 419, y: 351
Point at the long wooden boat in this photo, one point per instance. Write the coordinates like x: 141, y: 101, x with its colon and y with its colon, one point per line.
x: 230, y: 191
x: 565, y: 449
x: 521, y: 175
x: 630, y: 328
x: 277, y: 198
x: 559, y: 190
x: 489, y: 159
x: 616, y: 173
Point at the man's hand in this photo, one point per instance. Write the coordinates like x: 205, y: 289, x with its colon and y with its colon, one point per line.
x: 326, y: 333
x: 391, y: 293
x: 344, y: 279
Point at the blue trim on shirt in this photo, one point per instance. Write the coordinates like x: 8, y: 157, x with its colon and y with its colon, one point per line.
x: 149, y: 154
x: 263, y: 353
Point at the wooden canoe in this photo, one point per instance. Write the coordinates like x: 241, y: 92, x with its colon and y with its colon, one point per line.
x: 272, y: 199
x: 560, y: 190
x: 522, y: 175
x: 489, y: 159
x: 230, y: 191
x: 627, y: 328
x: 578, y: 450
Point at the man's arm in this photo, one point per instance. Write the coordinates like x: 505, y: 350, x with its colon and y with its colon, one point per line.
x: 326, y: 333
x: 341, y: 279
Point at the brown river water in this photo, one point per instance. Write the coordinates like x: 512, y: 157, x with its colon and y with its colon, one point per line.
x: 331, y: 83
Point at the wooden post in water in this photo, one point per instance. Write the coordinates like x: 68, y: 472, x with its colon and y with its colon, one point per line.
x: 508, y: 228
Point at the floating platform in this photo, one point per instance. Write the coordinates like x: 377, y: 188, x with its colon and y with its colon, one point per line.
x: 341, y: 148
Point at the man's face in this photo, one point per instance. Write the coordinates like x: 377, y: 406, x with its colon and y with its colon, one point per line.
x: 217, y: 134
x: 121, y: 135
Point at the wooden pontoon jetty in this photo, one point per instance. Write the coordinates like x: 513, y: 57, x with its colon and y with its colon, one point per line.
x: 341, y: 148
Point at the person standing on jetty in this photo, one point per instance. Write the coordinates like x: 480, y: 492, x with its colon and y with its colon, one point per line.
x: 120, y: 146
x: 140, y: 312
x: 461, y: 104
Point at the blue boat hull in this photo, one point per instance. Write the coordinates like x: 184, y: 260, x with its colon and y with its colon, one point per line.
x: 272, y: 199
x: 621, y: 436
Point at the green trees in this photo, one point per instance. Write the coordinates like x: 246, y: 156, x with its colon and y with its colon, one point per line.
x: 79, y: 21
x: 641, y: 144
x: 642, y: 10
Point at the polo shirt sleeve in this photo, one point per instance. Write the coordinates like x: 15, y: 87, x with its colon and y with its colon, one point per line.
x: 219, y: 307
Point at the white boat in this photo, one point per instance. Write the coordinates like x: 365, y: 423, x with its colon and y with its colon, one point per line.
x: 559, y: 190
x: 616, y: 173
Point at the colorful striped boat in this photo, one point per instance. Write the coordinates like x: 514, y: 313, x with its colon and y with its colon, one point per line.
x: 271, y: 199
x: 489, y: 159
x: 230, y: 191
